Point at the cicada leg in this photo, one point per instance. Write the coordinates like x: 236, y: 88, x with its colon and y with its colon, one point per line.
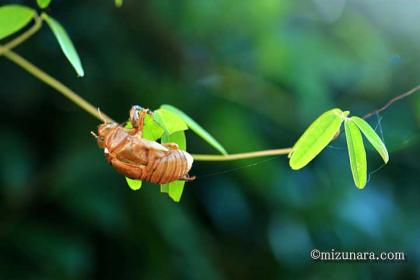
x: 133, y: 171
x: 187, y: 178
x: 137, y: 116
x: 171, y: 146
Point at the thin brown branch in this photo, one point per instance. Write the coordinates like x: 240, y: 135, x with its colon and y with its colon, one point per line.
x: 285, y: 151
x: 390, y: 102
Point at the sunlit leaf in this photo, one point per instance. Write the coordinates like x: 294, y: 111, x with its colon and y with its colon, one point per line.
x: 372, y: 137
x: 177, y: 137
x: 357, y: 153
x: 128, y: 124
x: 118, y: 3
x: 43, y: 3
x: 169, y: 121
x: 196, y: 128
x: 316, y: 138
x: 164, y: 188
x: 152, y: 130
x: 65, y: 43
x: 13, y: 18
x: 133, y: 184
x: 174, y: 189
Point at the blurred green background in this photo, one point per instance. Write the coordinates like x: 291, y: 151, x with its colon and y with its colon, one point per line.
x: 255, y: 74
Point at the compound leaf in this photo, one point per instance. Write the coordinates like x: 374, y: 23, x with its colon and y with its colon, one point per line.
x: 13, y: 18
x: 196, y: 128
x: 65, y: 43
x: 357, y: 153
x: 316, y: 137
x: 372, y: 137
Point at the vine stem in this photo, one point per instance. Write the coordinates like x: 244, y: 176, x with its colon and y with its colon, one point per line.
x: 6, y: 51
x: 49, y: 80
x: 284, y: 151
x: 273, y: 152
x: 23, y: 37
x: 390, y: 102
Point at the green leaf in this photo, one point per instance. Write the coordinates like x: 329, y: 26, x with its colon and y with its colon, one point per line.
x: 196, y: 128
x: 65, y: 43
x: 174, y: 189
x: 152, y: 130
x: 43, y: 3
x: 170, y: 121
x: 357, y: 153
x: 164, y: 188
x: 133, y: 184
x: 316, y: 137
x: 372, y: 137
x: 13, y: 18
x: 118, y: 3
x: 177, y: 137
x: 128, y: 125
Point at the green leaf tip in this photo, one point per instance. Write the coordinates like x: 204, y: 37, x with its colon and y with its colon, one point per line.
x: 316, y: 137
x: 13, y: 18
x: 174, y: 189
x: 357, y: 153
x: 196, y: 128
x: 43, y: 3
x: 133, y: 184
x: 164, y: 188
x: 372, y: 137
x: 118, y: 3
x: 65, y: 43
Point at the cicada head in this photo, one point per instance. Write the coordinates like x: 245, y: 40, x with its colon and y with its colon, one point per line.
x: 135, y: 114
x: 103, y: 130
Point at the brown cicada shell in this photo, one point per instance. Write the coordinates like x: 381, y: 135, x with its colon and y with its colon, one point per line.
x: 141, y: 159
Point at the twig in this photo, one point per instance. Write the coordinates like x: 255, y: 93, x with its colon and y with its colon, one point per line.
x: 64, y: 90
x: 390, y: 102
x: 283, y: 151
x: 6, y: 50
x: 75, y: 98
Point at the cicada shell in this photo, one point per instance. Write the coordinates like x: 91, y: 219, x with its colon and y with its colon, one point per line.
x: 139, y: 158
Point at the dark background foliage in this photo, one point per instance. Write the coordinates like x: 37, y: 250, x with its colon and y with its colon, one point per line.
x: 255, y: 74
